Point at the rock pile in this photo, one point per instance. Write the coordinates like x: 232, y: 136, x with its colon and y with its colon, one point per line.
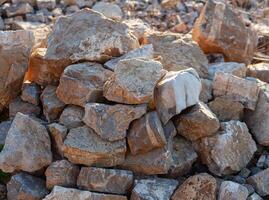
x: 110, y: 109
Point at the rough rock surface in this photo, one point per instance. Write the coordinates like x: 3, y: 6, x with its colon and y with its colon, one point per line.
x: 260, y: 181
x: 111, y: 122
x: 260, y: 71
x: 236, y: 89
x: 83, y: 146
x: 30, y: 93
x: 61, y: 173
x: 26, y: 148
x: 229, y: 150
x: 58, y: 134
x: 231, y: 190
x: 81, y: 83
x: 133, y: 81
x: 146, y: 134
x: 4, y: 128
x: 23, y: 186
x: 112, y: 181
x: 71, y: 116
x: 110, y: 10
x: 175, y: 92
x: 178, y: 52
x: 61, y: 193
x: 220, y: 29
x: 199, y: 122
x: 199, y: 187
x: 206, y: 92
x: 14, y: 56
x: 157, y: 188
x: 91, y: 42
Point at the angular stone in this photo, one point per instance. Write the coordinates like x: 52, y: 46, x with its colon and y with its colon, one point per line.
x: 231, y: 190
x: 157, y: 161
x: 91, y: 42
x: 27, y: 146
x: 17, y: 105
x: 234, y: 68
x: 82, y: 83
x: 112, y: 181
x: 226, y: 109
x: 83, y: 146
x: 46, y: 4
x: 175, y: 92
x: 52, y: 106
x: 146, y: 134
x: 153, y: 188
x: 206, y: 92
x: 14, y: 53
x: 44, y: 71
x: 260, y: 71
x: 30, y: 93
x: 72, y: 194
x: 80, y: 3
x: 18, y: 9
x: 58, y: 134
x: 26, y: 187
x: 236, y: 89
x: 133, y: 81
x: 197, y: 123
x: 144, y: 52
x: 4, y: 128
x: 228, y: 151
x: 109, y: 10
x: 260, y: 181
x: 198, y: 187
x: 254, y: 196
x: 71, y: 116
x: 61, y: 173
x: 220, y: 29
x: 178, y: 52
x: 111, y: 122
x: 183, y: 155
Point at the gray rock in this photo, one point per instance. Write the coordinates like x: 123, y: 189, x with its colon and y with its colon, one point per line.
x: 46, y: 4
x: 4, y: 128
x: 260, y: 71
x: 230, y: 190
x: 30, y: 93
x: 260, y: 182
x: 110, y: 10
x: 58, y: 134
x: 71, y: 116
x: 206, y: 92
x: 254, y: 196
x: 18, y: 9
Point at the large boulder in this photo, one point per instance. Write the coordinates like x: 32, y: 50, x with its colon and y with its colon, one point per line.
x: 98, y: 39
x: 27, y: 146
x: 14, y: 55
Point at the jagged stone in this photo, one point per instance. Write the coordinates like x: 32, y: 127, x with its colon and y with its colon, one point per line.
x: 27, y: 146
x: 82, y: 83
x: 109, y: 10
x: 58, y: 134
x: 228, y: 151
x: 198, y: 187
x: 111, y: 122
x: 175, y: 92
x: 231, y: 190
x: 206, y: 92
x: 157, y: 188
x: 260, y: 181
x: 254, y: 196
x: 133, y: 81
x: 71, y: 116
x: 260, y: 71
x: 220, y: 29
x: 83, y: 146
x: 61, y: 173
x: 30, y: 93
x: 112, y: 181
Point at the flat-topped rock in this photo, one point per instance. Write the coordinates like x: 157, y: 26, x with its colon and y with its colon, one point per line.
x: 71, y: 116
x: 109, y: 10
x: 259, y: 70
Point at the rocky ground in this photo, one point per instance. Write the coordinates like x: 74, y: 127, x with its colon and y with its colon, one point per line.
x: 140, y: 100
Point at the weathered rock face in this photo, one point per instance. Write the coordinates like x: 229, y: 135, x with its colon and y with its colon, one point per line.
x: 91, y: 43
x: 71, y: 194
x: 199, y: 122
x: 158, y: 188
x: 228, y: 151
x: 226, y: 109
x: 112, y: 181
x: 200, y: 186
x: 111, y: 122
x: 175, y: 92
x: 254, y: 196
x: 236, y: 89
x: 133, y: 81
x: 4, y: 128
x: 144, y: 52
x: 58, y: 134
x: 109, y: 10
x: 178, y: 52
x: 231, y: 190
x: 81, y: 83
x: 46, y: 4
x: 26, y: 187
x: 71, y: 116
x: 27, y: 146
x: 206, y: 92
x: 52, y: 106
x: 258, y: 120
x: 146, y: 134
x: 220, y: 29
x: 260, y: 181
x: 14, y: 55
x: 83, y: 146
x: 18, y: 9
x: 260, y: 71
x: 30, y: 93
x: 61, y: 173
